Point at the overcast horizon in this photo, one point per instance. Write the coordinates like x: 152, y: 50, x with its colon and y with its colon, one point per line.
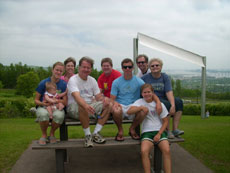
x: 39, y: 33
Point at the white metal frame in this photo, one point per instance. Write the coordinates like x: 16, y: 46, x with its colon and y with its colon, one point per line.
x: 176, y: 52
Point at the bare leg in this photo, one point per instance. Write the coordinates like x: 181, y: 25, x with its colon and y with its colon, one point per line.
x: 105, y: 115
x: 146, y: 147
x: 44, y: 125
x: 84, y: 117
x: 117, y: 117
x: 165, y: 149
x: 176, y: 119
x: 140, y: 116
x: 60, y: 106
x: 168, y: 126
x: 50, y: 111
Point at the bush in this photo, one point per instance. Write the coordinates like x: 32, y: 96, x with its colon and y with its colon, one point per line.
x: 16, y: 107
x: 26, y: 84
x: 214, y: 109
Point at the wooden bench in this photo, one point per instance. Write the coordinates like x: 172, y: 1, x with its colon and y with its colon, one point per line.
x: 61, y: 146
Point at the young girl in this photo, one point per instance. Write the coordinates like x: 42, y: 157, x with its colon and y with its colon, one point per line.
x: 153, y: 128
x: 51, y: 96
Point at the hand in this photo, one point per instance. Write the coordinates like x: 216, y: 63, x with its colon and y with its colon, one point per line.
x: 158, y: 108
x: 89, y: 109
x: 172, y: 110
x: 157, y: 137
x: 144, y: 109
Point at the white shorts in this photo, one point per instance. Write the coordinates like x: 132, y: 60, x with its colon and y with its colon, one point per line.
x: 125, y: 108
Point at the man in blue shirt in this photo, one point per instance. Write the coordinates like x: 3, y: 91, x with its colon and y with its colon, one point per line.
x: 125, y: 91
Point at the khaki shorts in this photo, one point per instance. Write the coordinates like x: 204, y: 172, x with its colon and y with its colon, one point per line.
x: 72, y: 110
x: 43, y: 115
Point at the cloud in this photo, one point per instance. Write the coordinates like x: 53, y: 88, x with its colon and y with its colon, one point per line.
x: 42, y: 32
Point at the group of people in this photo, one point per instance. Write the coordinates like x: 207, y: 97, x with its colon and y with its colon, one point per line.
x: 146, y: 99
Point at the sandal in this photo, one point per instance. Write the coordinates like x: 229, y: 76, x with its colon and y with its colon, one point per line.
x: 42, y: 141
x: 134, y: 136
x: 52, y: 139
x: 119, y: 138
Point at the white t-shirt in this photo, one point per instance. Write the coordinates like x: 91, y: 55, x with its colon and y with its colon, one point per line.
x: 140, y: 74
x: 87, y: 88
x: 152, y: 121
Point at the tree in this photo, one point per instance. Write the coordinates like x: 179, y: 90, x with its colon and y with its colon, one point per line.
x: 26, y: 84
x: 178, y: 88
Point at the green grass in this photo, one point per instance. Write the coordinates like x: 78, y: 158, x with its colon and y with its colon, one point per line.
x: 206, y: 139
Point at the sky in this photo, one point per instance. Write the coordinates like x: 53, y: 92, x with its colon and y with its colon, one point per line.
x: 42, y: 32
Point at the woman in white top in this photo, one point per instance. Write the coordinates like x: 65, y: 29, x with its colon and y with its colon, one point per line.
x: 153, y: 128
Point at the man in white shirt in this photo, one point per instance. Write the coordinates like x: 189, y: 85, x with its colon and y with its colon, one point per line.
x: 85, y: 100
x: 142, y: 63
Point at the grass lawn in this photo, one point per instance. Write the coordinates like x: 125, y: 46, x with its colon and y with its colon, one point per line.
x: 206, y: 139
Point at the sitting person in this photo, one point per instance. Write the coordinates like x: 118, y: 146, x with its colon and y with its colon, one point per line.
x: 142, y: 64
x: 153, y: 128
x: 51, y: 96
x: 125, y: 91
x: 42, y: 113
x: 85, y: 100
x: 163, y: 89
x: 70, y: 65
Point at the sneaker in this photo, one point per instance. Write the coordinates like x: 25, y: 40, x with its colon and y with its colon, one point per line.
x: 170, y: 135
x: 177, y: 132
x: 88, y: 141
x: 97, y: 138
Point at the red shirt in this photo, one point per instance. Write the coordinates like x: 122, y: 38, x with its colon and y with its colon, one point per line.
x: 105, y: 82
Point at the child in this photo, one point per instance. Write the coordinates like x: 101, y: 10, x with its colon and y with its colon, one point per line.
x: 153, y: 128
x: 51, y: 96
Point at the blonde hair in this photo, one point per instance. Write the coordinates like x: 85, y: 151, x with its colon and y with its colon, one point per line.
x: 146, y: 85
x: 50, y: 85
x: 156, y: 59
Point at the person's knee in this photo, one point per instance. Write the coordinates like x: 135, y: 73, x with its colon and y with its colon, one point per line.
x: 144, y: 151
x: 166, y: 151
x: 42, y: 114
x: 58, y: 116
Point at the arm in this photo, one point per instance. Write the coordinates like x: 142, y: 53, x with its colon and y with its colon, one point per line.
x: 63, y: 94
x: 162, y: 129
x: 50, y: 100
x: 172, y: 102
x: 158, y: 104
x: 136, y: 109
x: 38, y: 102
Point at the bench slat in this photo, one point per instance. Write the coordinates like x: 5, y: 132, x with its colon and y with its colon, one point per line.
x: 79, y: 143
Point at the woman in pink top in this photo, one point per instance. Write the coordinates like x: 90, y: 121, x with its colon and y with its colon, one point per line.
x: 70, y: 65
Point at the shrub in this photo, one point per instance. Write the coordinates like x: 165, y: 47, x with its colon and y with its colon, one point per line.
x: 214, y: 109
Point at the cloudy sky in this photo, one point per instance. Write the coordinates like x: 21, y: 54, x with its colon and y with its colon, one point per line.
x: 42, y: 32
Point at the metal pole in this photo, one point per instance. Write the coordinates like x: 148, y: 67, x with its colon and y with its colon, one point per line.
x: 203, y: 92
x: 135, y: 54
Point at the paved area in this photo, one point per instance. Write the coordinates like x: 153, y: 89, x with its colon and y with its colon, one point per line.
x: 118, y: 159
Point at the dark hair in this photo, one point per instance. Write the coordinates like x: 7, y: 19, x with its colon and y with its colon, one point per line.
x: 57, y: 63
x: 142, y: 55
x: 107, y: 59
x: 126, y: 60
x: 87, y: 59
x: 70, y: 59
x: 146, y: 85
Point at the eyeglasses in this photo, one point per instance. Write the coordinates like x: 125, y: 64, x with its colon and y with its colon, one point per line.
x: 141, y: 62
x: 155, y: 65
x: 127, y: 67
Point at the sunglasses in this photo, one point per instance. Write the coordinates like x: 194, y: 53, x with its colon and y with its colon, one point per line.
x: 155, y: 65
x: 141, y: 62
x: 127, y: 67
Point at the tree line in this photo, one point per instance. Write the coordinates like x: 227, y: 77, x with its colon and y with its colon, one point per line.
x: 25, y: 79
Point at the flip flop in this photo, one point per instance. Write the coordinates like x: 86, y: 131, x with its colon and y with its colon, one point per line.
x: 42, y: 140
x: 119, y: 138
x: 134, y: 136
x: 52, y: 139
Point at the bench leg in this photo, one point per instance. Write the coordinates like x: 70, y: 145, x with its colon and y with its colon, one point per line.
x: 61, y: 157
x: 63, y: 132
x: 157, y: 160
